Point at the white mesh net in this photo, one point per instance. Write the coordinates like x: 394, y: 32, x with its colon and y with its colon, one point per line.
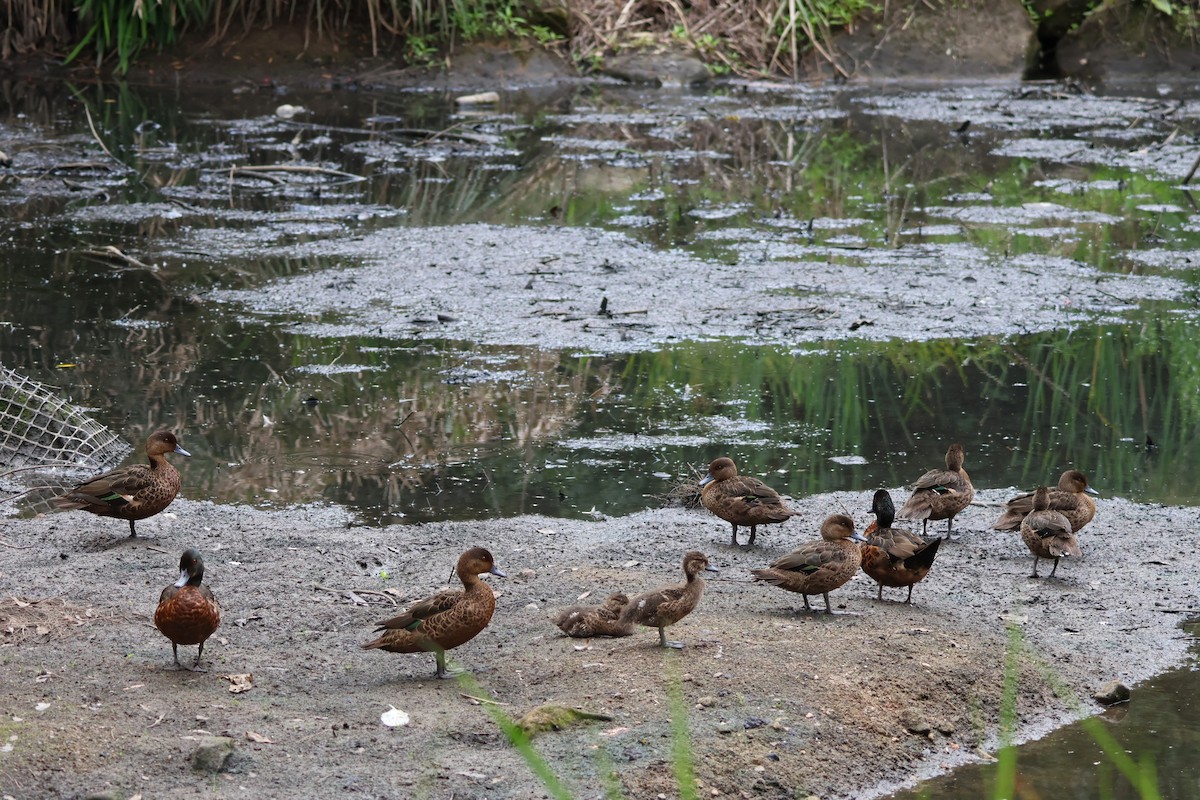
x: 39, y: 428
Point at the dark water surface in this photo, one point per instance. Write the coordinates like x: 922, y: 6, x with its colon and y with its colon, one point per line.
x: 402, y: 431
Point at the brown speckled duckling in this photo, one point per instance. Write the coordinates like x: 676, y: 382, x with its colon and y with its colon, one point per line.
x: 741, y: 499
x: 940, y: 493
x: 584, y: 622
x: 659, y: 608
x: 187, y: 611
x: 1070, y: 499
x: 447, y: 619
x: 133, y: 492
x: 894, y: 556
x: 1047, y: 533
x: 818, y: 567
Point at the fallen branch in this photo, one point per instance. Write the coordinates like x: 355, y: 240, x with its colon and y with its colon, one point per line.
x: 109, y: 252
x: 304, y: 169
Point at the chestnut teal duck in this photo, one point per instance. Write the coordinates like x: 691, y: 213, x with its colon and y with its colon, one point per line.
x: 1047, y: 533
x: 665, y: 606
x: 818, y: 567
x: 132, y: 492
x: 1070, y: 499
x: 447, y: 619
x: 584, y: 621
x: 741, y: 499
x: 940, y: 493
x: 894, y: 556
x: 187, y: 611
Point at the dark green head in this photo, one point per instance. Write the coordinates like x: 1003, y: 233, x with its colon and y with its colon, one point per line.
x: 191, y: 568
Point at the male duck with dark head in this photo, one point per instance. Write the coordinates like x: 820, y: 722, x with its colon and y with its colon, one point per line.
x: 1047, y: 533
x: 1070, y: 499
x: 187, y: 611
x: 133, y: 492
x: 818, y: 567
x: 940, y: 493
x: 447, y: 619
x: 659, y: 608
x: 894, y: 556
x: 584, y: 622
x: 741, y: 499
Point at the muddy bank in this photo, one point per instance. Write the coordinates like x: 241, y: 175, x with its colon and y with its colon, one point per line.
x: 573, y: 288
x: 779, y: 704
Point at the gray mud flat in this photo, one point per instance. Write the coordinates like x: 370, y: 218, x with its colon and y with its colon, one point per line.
x: 546, y: 286
x: 779, y: 703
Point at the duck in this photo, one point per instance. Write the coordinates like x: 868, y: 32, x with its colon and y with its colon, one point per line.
x: 446, y: 619
x: 818, y: 567
x: 1047, y: 533
x: 940, y: 493
x: 659, y: 608
x: 584, y: 622
x: 741, y: 499
x: 894, y: 556
x: 187, y: 611
x: 132, y: 492
x: 1070, y: 499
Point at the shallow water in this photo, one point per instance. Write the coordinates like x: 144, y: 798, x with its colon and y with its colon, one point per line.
x: 402, y: 430
x: 1159, y: 730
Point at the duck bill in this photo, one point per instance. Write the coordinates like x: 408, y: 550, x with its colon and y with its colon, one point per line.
x: 707, y: 479
x: 711, y: 568
x: 858, y: 537
x: 1090, y: 490
x: 497, y: 571
x: 181, y: 451
x: 183, y: 578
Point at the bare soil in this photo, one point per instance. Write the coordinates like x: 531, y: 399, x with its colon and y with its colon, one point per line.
x: 779, y: 703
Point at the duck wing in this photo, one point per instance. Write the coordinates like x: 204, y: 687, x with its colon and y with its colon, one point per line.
x: 422, y: 610
x: 116, y: 488
x: 809, y: 559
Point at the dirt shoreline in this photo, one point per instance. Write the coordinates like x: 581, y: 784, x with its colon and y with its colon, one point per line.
x: 780, y: 704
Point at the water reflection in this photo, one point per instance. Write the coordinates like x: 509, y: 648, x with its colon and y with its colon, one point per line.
x: 1160, y: 727
x: 433, y: 430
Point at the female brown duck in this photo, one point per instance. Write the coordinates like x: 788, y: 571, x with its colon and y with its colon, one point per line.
x: 187, y: 612
x: 1047, y: 533
x: 1070, y: 499
x: 132, y: 492
x: 659, y: 608
x: 741, y: 499
x: 447, y: 619
x: 940, y: 493
x: 584, y: 622
x: 894, y: 556
x: 818, y: 567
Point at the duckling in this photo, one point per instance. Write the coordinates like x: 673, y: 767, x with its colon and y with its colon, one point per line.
x: 584, y: 622
x: 894, y: 556
x: 741, y: 499
x: 1047, y: 533
x: 1070, y: 499
x: 818, y: 567
x: 940, y: 493
x: 659, y: 608
x: 447, y: 619
x: 187, y: 611
x: 132, y: 492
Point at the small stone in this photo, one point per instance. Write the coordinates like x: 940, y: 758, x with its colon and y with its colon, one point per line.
x: 729, y: 727
x: 707, y: 701
x: 1112, y: 693
x: 753, y: 722
x: 914, y: 721
x: 211, y: 753
x: 111, y: 794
